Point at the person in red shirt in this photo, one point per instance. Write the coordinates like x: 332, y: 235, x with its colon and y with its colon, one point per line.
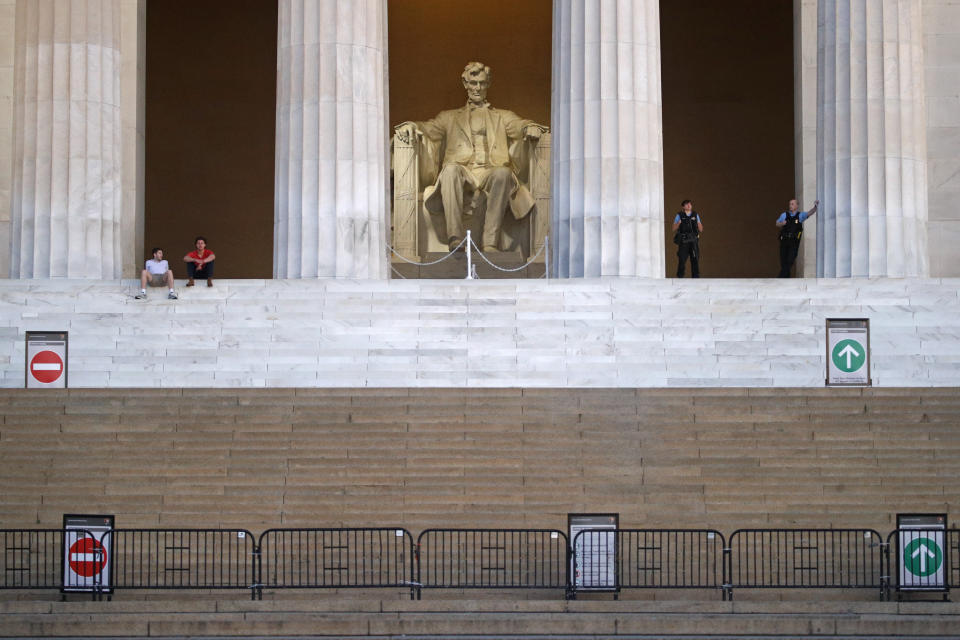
x: 200, y: 262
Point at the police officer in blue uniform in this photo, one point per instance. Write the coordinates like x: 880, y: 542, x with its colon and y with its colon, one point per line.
x: 790, y: 223
x: 686, y: 235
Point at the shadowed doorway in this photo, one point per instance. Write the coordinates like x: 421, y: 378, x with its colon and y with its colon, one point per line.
x: 728, y: 128
x: 210, y: 109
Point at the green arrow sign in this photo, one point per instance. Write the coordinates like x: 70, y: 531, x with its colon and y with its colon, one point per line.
x: 848, y: 355
x: 922, y: 557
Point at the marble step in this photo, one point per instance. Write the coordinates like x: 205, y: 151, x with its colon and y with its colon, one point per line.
x: 622, y: 333
x: 473, y: 615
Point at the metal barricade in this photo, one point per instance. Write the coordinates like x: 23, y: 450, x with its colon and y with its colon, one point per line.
x: 493, y: 559
x: 36, y: 559
x: 336, y: 558
x: 805, y: 558
x: 648, y: 559
x: 953, y: 557
x: 932, y: 562
x: 183, y: 559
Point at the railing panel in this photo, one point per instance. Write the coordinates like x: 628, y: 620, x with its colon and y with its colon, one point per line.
x: 493, y: 558
x: 953, y: 557
x: 932, y: 562
x: 805, y: 558
x: 648, y: 559
x: 34, y: 559
x: 182, y: 559
x: 336, y: 558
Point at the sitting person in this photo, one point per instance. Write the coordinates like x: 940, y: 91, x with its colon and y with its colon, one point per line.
x: 156, y: 273
x: 200, y: 263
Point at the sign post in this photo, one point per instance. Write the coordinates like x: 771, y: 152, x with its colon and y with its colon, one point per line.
x: 848, y: 352
x: 46, y: 360
x: 594, y: 562
x: 86, y: 557
x: 922, y: 552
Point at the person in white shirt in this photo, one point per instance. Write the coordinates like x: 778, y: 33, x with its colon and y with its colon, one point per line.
x: 156, y: 273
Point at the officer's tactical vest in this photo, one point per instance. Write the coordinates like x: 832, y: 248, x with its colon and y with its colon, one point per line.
x: 793, y: 229
x: 687, y: 231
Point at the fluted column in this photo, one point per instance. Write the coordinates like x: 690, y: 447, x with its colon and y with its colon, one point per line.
x: 871, y: 144
x: 331, y: 153
x: 607, y: 139
x: 66, y: 200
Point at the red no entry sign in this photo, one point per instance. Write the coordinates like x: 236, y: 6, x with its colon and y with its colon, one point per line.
x: 46, y: 367
x: 87, y: 557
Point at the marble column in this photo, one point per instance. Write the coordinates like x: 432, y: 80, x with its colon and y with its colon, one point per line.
x: 607, y: 139
x: 332, y: 139
x: 871, y: 145
x: 66, y: 200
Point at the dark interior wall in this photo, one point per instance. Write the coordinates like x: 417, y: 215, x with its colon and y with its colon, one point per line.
x: 728, y: 127
x: 210, y: 110
x: 432, y: 40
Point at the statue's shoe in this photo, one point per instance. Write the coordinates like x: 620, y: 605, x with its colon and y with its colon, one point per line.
x: 453, y: 244
x: 491, y: 250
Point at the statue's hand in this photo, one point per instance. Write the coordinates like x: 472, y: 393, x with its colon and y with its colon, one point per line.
x: 532, y: 133
x: 406, y: 132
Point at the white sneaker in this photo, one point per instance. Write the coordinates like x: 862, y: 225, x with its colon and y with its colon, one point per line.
x: 141, y: 296
x: 171, y: 296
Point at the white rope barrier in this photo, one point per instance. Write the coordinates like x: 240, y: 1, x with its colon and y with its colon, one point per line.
x: 427, y: 264
x: 505, y: 269
x: 471, y: 268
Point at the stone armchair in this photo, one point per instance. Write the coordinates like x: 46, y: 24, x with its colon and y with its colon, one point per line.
x: 417, y: 232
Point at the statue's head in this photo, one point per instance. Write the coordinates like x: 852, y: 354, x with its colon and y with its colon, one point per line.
x: 476, y: 80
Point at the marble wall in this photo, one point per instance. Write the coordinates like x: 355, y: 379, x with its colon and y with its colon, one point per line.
x: 941, y: 34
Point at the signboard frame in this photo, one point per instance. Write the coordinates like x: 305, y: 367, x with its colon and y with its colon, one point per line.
x: 936, y: 529
x: 577, y: 522
x: 98, y: 525
x: 841, y: 324
x: 45, y: 337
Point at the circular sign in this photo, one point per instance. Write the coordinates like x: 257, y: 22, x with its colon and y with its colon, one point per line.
x: 46, y: 366
x: 922, y: 557
x: 87, y: 557
x: 848, y: 355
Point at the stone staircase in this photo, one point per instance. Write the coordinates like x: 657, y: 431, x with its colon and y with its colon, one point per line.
x: 622, y: 333
x: 421, y: 458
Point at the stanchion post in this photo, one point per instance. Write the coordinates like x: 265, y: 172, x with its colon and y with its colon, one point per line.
x: 469, y: 258
x: 546, y: 257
